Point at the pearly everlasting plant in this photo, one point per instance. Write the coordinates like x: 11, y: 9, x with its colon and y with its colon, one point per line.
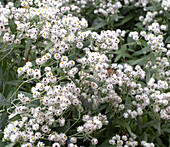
x: 84, y: 73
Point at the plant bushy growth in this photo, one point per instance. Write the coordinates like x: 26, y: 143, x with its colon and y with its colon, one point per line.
x: 84, y: 73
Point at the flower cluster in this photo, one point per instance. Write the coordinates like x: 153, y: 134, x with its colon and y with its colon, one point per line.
x: 81, y: 82
x: 126, y: 141
x: 92, y: 124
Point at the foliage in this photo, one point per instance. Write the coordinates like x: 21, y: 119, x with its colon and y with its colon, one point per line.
x: 91, y: 73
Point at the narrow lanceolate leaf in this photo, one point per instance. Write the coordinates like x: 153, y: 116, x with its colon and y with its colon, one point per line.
x: 48, y: 46
x: 11, y: 144
x: 12, y: 26
x: 15, y: 117
x: 3, y: 101
x: 1, y: 76
x: 140, y: 61
x: 27, y: 48
x: 92, y: 80
x: 142, y: 51
x: 98, y: 25
x: 3, y: 119
x: 167, y: 39
x: 117, y: 58
x: 125, y: 20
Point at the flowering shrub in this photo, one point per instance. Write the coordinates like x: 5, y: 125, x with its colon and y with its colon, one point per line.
x: 84, y: 73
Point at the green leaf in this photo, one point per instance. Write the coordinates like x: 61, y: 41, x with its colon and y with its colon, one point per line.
x: 128, y: 102
x: 116, y: 17
x: 167, y: 130
x: 148, y: 75
x: 152, y: 58
x: 48, y: 46
x: 1, y: 76
x: 3, y: 120
x: 105, y: 144
x: 98, y: 25
x: 11, y: 144
x: 15, y: 117
x: 14, y: 56
x: 10, y: 94
x: 92, y: 80
x: 60, y: 72
x: 139, y: 26
x: 40, y: 45
x: 159, y: 141
x: 12, y: 26
x: 34, y: 103
x: 128, y: 128
x: 139, y: 121
x: 39, y: 26
x: 108, y: 109
x: 3, y: 101
x: 167, y: 39
x: 142, y: 51
x: 25, y: 93
x: 117, y: 58
x: 15, y: 82
x: 2, y: 144
x: 27, y: 48
x: 125, y: 20
x: 124, y: 124
x: 16, y: 46
x: 148, y: 124
x: 140, y: 61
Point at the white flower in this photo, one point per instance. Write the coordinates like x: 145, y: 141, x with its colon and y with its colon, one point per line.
x: 64, y: 58
x: 35, y: 126
x: 20, y: 71
x: 56, y: 145
x: 79, y: 45
x: 73, y: 139
x: 57, y: 56
x: 94, y: 141
x: 80, y: 129
x: 40, y: 144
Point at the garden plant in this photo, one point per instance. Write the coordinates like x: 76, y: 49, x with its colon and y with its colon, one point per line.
x: 84, y: 73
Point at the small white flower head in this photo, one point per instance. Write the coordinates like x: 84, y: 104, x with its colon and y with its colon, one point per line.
x: 71, y: 63
x: 40, y: 144
x: 73, y: 139
x: 61, y: 122
x: 20, y: 70
x: 80, y: 129
x: 35, y: 127
x: 30, y: 72
x: 79, y: 45
x: 94, y: 141
x: 47, y: 69
x: 56, y: 145
x: 64, y: 58
x: 57, y: 56
x: 124, y: 137
x: 39, y: 61
x: 29, y: 64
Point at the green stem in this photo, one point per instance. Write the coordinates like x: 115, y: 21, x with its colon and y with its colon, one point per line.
x: 7, y: 54
x: 73, y: 124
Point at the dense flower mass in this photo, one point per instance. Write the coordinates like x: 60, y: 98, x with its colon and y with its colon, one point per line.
x: 91, y: 79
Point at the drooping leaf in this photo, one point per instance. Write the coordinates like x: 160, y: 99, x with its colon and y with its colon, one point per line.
x: 3, y: 101
x: 15, y: 117
x: 27, y: 48
x: 140, y: 61
x: 142, y: 51
x: 3, y: 120
x: 12, y: 26
x: 11, y: 144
